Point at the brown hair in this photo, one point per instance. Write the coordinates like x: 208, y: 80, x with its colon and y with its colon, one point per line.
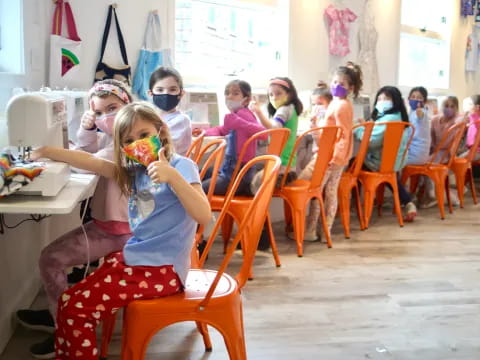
x: 323, y: 90
x: 124, y: 121
x: 476, y: 99
x: 354, y: 74
x: 452, y: 99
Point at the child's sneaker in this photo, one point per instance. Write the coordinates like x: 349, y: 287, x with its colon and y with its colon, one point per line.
x: 40, y: 320
x: 411, y: 212
x: 428, y: 204
x: 45, y: 349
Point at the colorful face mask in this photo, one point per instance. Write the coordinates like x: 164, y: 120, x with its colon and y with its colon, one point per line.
x: 276, y: 103
x: 143, y: 151
x: 234, y: 105
x: 105, y: 123
x: 338, y: 90
x: 414, y: 104
x: 383, y: 106
x: 166, y: 102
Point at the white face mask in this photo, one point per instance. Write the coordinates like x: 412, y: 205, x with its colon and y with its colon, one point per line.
x: 234, y: 105
x: 105, y: 122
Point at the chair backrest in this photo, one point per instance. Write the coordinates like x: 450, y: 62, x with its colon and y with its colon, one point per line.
x: 357, y: 164
x: 194, y: 150
x: 277, y: 138
x: 252, y: 223
x: 326, y: 137
x: 476, y: 142
x: 450, y: 140
x: 393, y: 136
x: 212, y: 154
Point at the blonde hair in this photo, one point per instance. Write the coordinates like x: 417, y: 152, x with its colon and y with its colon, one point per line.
x: 124, y: 121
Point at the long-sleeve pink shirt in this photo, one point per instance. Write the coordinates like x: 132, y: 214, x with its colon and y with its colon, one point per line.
x: 474, y: 121
x: 108, y: 203
x: 245, y: 124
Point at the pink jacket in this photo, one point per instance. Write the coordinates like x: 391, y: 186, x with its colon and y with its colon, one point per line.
x: 108, y: 202
x: 245, y: 124
x: 474, y: 121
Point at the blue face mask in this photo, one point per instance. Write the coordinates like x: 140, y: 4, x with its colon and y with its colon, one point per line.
x: 383, y: 105
x: 414, y: 104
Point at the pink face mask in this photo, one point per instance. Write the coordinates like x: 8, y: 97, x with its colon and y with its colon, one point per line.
x: 105, y: 123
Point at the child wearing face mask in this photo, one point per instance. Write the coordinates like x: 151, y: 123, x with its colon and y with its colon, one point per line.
x: 439, y: 125
x: 166, y: 90
x: 238, y: 126
x: 346, y: 81
x: 165, y: 204
x: 474, y: 126
x: 419, y: 150
x: 321, y: 98
x: 388, y: 106
x: 109, y: 230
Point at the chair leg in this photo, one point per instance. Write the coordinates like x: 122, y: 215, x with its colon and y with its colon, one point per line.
x: 344, y: 207
x: 396, y: 202
x: 439, y: 192
x: 203, y: 330
x: 287, y: 215
x: 447, y: 190
x: 108, y: 326
x: 298, y: 218
x: 326, y: 230
x: 230, y: 325
x: 361, y: 219
x: 273, y: 243
x: 368, y: 206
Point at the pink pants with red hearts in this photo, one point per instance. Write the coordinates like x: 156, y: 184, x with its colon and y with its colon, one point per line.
x: 112, y: 286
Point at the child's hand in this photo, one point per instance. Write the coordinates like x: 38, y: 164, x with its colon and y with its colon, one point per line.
x: 38, y: 153
x: 160, y: 170
x: 196, y: 132
x: 88, y: 120
x: 419, y: 111
x: 254, y: 106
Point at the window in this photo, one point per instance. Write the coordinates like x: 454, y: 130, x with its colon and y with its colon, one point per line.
x: 425, y: 43
x: 11, y: 37
x: 218, y: 39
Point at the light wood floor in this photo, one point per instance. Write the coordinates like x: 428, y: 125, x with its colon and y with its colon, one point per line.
x: 387, y: 293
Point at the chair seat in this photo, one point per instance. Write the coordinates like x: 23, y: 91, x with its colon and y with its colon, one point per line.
x: 217, y: 201
x: 197, y: 285
x: 298, y: 185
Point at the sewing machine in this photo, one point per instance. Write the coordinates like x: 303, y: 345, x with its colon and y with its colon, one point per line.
x: 38, y: 119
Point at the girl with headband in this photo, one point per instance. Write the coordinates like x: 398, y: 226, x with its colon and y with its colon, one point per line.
x: 109, y: 229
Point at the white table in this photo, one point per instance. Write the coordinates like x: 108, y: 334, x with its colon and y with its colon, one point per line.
x: 78, y: 188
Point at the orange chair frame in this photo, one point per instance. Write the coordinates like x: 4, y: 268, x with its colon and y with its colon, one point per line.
x: 349, y: 181
x: 193, y: 151
x: 437, y: 170
x: 373, y: 180
x: 462, y: 168
x: 210, y: 297
x: 299, y: 193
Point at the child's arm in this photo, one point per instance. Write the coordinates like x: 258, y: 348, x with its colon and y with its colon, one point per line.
x: 191, y: 196
x: 216, y: 131
x: 180, y: 130
x: 342, y: 146
x: 254, y: 107
x: 78, y: 159
x: 87, y: 134
x: 239, y: 121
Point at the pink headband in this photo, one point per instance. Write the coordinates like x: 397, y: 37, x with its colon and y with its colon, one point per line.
x: 280, y: 82
x: 113, y: 89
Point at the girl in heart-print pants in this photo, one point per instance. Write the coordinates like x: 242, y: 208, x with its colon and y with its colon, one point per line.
x: 110, y: 287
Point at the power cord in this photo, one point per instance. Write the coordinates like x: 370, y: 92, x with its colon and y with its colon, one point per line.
x: 4, y: 225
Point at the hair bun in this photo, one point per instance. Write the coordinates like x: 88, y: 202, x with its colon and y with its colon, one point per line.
x: 322, y: 84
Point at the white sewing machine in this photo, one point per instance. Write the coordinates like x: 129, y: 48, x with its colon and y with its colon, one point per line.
x: 38, y: 119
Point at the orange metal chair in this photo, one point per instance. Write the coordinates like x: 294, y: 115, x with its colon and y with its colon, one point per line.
x: 438, y: 166
x: 462, y: 168
x: 298, y: 193
x: 210, y: 297
x: 277, y: 140
x: 349, y: 181
x: 193, y: 151
x: 211, y: 155
x: 372, y: 180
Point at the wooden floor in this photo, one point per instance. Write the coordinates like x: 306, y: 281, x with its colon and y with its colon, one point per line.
x: 387, y: 293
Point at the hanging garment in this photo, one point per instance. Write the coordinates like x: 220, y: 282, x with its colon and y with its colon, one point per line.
x: 65, y: 52
x: 471, y: 51
x: 367, y: 54
x: 151, y: 57
x: 466, y: 7
x: 15, y: 174
x: 104, y: 71
x: 477, y: 15
x: 339, y: 23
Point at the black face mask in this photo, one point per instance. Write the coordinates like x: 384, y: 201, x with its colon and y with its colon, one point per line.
x: 166, y: 102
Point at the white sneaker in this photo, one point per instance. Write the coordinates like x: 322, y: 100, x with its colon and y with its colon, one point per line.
x: 428, y: 204
x: 308, y: 236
